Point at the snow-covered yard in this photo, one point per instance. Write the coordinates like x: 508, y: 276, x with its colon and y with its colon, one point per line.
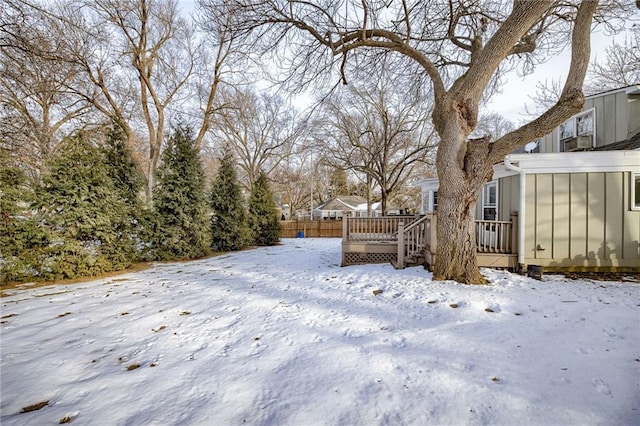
x: 285, y: 336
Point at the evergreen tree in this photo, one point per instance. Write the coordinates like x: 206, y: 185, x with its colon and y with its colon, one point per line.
x: 122, y: 167
x: 84, y: 213
x: 181, y: 218
x: 128, y: 182
x: 229, y: 226
x: 263, y: 217
x: 23, y: 240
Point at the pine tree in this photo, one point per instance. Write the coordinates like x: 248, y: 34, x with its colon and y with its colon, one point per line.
x: 83, y: 212
x: 263, y: 217
x: 122, y: 167
x: 182, y: 224
x: 229, y: 226
x: 128, y: 182
x: 23, y: 240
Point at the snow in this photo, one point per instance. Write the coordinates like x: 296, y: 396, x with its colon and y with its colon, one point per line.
x: 284, y: 336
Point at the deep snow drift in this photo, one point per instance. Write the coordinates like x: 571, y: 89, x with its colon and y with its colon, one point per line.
x: 285, y: 336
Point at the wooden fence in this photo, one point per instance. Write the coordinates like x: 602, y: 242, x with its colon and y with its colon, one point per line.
x: 311, y: 228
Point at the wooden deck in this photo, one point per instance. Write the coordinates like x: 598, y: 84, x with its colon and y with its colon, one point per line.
x: 411, y: 240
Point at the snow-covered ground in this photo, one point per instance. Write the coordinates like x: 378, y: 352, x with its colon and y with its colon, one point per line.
x: 285, y: 336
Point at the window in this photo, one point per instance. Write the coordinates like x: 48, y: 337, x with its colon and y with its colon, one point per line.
x: 635, y: 191
x: 490, y: 201
x: 568, y: 129
x: 429, y: 201
x: 425, y: 202
x: 584, y: 124
x: 533, y: 146
x: 578, y: 132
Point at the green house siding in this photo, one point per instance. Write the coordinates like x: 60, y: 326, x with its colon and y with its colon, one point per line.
x: 581, y: 220
x: 508, y: 196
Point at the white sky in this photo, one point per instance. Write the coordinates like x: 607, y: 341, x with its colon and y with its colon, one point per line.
x: 517, y: 91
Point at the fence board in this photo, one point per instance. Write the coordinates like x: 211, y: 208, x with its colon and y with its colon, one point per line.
x: 311, y: 228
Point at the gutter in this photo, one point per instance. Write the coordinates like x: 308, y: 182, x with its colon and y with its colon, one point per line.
x: 521, y: 219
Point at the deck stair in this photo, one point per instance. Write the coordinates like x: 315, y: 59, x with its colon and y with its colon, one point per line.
x: 411, y: 241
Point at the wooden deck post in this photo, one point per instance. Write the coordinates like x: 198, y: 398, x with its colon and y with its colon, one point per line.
x: 400, y: 259
x: 514, y: 232
x: 433, y: 239
x: 345, y: 227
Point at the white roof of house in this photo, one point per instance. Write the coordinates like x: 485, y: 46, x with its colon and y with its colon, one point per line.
x: 559, y: 162
x: 363, y: 207
x: 576, y: 162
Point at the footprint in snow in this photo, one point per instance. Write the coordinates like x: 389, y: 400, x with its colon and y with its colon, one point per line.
x: 601, y: 386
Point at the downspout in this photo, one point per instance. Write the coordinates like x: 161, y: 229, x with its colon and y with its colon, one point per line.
x: 521, y: 220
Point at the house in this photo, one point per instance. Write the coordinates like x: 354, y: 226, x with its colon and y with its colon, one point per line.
x: 569, y: 201
x: 575, y: 192
x: 339, y: 206
x: 354, y: 205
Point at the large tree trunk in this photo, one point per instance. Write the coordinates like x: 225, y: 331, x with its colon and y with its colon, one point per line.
x: 462, y: 170
x: 456, y: 251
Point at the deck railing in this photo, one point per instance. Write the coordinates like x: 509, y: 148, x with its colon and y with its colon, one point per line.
x: 373, y: 228
x: 412, y: 239
x: 415, y: 234
x: 494, y: 236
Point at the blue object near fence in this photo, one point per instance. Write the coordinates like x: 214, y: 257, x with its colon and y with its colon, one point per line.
x: 300, y: 234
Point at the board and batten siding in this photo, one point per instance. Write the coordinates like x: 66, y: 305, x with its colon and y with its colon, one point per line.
x: 617, y: 118
x: 575, y: 220
x: 612, y: 117
x: 508, y: 196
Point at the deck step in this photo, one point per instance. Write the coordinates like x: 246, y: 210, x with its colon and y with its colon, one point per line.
x: 409, y: 261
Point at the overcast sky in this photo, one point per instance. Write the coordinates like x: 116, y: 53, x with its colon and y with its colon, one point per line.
x: 516, y: 93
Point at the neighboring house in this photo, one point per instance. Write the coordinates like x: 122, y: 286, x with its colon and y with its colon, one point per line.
x: 339, y: 206
x: 576, y: 194
x: 354, y: 205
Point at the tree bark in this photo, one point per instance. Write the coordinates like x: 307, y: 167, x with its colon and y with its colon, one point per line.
x: 462, y: 171
x: 465, y: 166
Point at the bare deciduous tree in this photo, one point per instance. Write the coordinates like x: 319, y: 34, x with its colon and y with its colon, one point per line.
x: 139, y: 62
x: 620, y: 66
x: 157, y: 45
x: 260, y: 129
x: 35, y: 103
x: 460, y: 48
x: 493, y: 125
x: 292, y: 181
x: 379, y: 130
x: 221, y: 54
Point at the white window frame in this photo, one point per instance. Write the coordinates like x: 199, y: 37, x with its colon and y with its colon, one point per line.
x: 635, y: 189
x: 429, y: 201
x: 573, y: 122
x: 485, y: 203
x: 433, y: 200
